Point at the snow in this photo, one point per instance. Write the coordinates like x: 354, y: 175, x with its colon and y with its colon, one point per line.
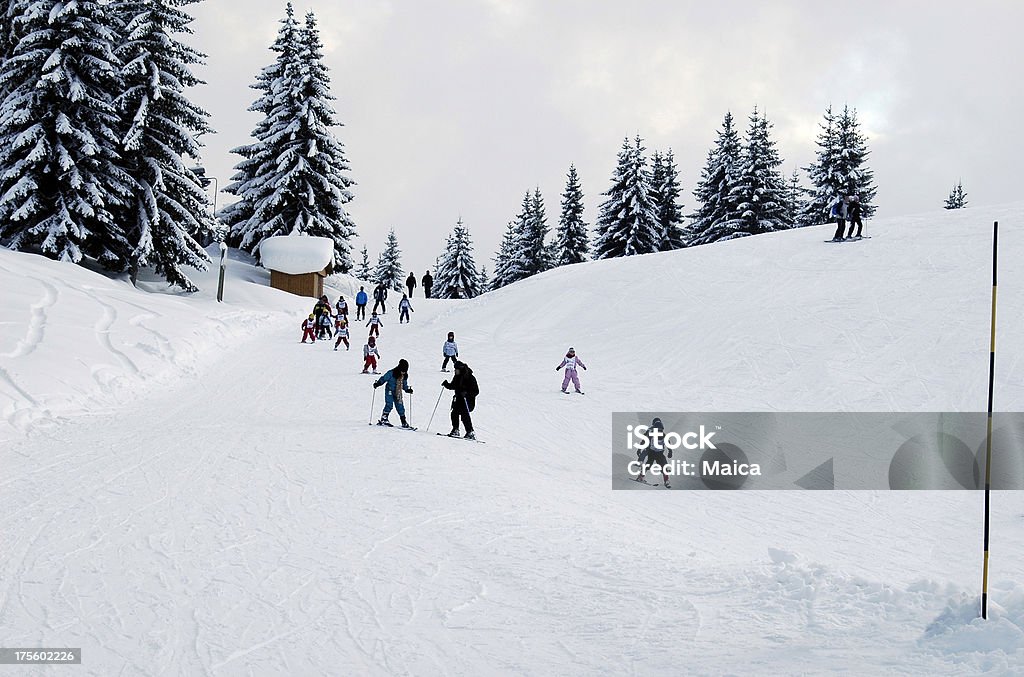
x: 188, y: 490
x: 295, y: 255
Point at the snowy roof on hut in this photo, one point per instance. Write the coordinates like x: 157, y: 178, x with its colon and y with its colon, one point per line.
x: 296, y: 254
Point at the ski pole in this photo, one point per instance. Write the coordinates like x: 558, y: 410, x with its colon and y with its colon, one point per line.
x: 410, y: 408
x: 435, y: 409
x: 372, y: 400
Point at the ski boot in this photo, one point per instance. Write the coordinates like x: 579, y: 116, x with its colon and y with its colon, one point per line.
x: 470, y: 435
x: 454, y: 433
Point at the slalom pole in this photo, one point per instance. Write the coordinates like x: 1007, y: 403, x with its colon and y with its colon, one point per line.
x: 372, y: 400
x: 988, y: 438
x: 435, y: 409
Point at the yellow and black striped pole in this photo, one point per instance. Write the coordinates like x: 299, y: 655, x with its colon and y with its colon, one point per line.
x: 988, y: 438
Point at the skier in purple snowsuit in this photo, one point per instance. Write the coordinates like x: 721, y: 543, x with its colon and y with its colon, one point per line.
x: 570, y: 362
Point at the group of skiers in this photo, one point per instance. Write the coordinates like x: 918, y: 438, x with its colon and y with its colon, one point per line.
x: 324, y: 323
x: 396, y: 380
x: 847, y: 209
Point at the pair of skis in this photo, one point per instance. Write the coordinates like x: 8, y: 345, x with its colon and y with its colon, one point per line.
x: 414, y: 429
x: 850, y: 239
x: 650, y: 484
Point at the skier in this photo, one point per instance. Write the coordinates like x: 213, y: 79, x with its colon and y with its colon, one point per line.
x: 570, y: 362
x: 323, y: 325
x: 654, y: 454
x: 380, y: 295
x: 450, y: 351
x: 464, y: 399
x: 839, y: 212
x: 410, y: 283
x: 341, y: 331
x: 309, y: 329
x: 428, y: 282
x: 374, y: 324
x: 342, y: 307
x: 403, y: 309
x: 396, y: 381
x: 855, y: 216
x: 370, y: 355
x: 361, y: 300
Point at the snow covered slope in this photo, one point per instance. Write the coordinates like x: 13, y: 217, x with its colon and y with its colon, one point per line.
x: 243, y: 518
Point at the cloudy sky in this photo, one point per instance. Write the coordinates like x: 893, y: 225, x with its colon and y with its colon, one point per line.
x: 457, y: 107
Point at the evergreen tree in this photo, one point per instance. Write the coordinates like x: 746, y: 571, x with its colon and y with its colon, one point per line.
x: 531, y: 254
x: 363, y: 270
x: 541, y: 252
x: 504, y: 260
x: 455, y: 275
x: 169, y: 207
x: 253, y: 172
x: 519, y: 263
x: 316, y: 174
x: 853, y: 153
x: 760, y: 192
x: 665, y: 191
x: 714, y: 189
x: 957, y: 197
x: 572, y: 243
x: 627, y: 223
x: 298, y: 183
x: 839, y: 167
x: 60, y: 174
x: 484, y: 280
x: 796, y: 199
x: 389, y: 264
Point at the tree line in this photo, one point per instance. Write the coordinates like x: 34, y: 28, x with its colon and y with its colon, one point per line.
x: 97, y: 139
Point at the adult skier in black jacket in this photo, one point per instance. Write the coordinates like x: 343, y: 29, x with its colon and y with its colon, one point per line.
x: 464, y: 400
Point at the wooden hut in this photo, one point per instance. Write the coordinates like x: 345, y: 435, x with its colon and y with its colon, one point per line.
x: 298, y: 264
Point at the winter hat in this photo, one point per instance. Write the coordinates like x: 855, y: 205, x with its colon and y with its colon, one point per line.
x: 371, y: 340
x: 657, y: 424
x: 311, y: 315
x: 403, y: 366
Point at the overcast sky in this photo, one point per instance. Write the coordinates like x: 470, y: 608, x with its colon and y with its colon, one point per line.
x: 457, y: 107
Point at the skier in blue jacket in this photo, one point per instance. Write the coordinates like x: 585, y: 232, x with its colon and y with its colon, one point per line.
x: 395, y: 382
x: 361, y: 299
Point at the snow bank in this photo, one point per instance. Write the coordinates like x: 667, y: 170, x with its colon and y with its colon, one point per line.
x: 296, y: 254
x: 76, y: 342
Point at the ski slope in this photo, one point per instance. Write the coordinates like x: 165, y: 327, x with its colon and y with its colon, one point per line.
x: 189, y: 490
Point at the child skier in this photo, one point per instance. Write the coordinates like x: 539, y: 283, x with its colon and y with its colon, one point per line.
x: 341, y: 331
x: 370, y: 355
x: 654, y: 455
x: 450, y: 351
x: 396, y: 381
x: 403, y: 309
x: 324, y: 325
x: 309, y: 329
x: 342, y: 307
x: 374, y: 324
x: 570, y: 362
